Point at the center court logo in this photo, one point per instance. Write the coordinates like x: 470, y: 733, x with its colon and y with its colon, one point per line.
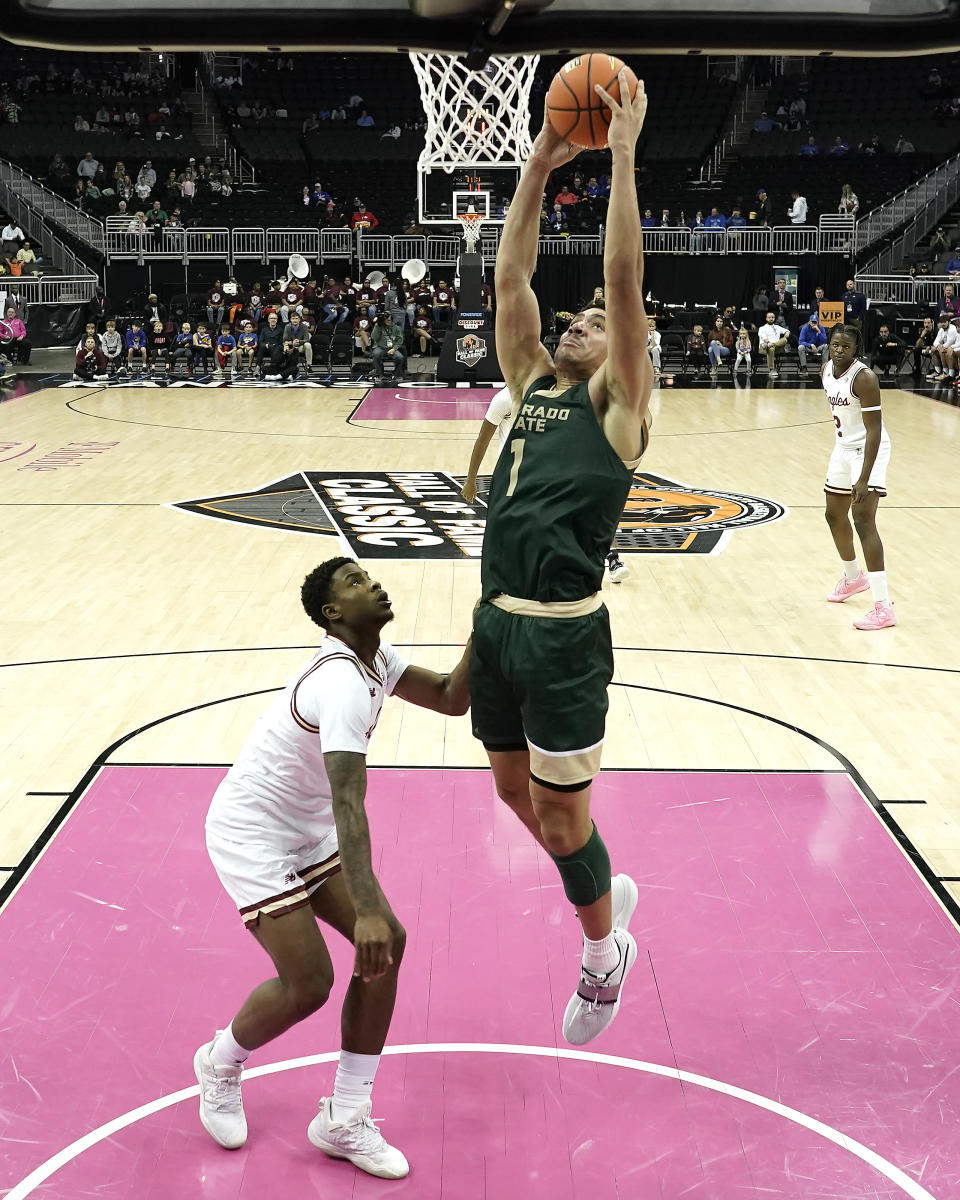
x: 421, y: 514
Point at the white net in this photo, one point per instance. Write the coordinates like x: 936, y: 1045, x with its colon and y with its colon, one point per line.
x: 472, y: 223
x: 474, y: 118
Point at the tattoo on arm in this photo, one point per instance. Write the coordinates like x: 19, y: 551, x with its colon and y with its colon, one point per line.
x: 347, y: 773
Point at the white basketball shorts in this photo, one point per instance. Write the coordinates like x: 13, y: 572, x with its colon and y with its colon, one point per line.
x: 846, y: 463
x: 269, y: 880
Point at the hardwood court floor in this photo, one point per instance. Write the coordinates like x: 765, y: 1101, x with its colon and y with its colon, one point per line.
x: 121, y: 609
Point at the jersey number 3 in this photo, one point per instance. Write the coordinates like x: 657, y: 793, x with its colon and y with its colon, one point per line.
x: 836, y: 421
x: 516, y: 449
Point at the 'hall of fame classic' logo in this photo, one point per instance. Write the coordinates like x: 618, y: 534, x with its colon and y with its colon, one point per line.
x: 470, y: 349
x: 421, y: 514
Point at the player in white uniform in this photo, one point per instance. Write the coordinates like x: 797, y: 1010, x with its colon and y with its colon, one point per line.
x: 857, y: 474
x: 498, y: 420
x: 287, y: 816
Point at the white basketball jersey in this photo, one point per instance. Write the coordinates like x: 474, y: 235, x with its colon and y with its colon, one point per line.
x: 845, y: 407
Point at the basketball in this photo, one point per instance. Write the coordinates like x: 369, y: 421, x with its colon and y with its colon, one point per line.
x: 575, y: 110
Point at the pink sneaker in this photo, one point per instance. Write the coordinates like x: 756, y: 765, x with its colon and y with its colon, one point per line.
x: 849, y: 587
x: 881, y: 616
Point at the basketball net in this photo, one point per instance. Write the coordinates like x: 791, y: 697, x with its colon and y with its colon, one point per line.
x: 471, y: 222
x: 474, y: 117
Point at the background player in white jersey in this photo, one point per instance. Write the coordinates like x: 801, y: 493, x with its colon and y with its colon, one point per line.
x: 497, y: 421
x: 857, y: 474
x: 287, y: 816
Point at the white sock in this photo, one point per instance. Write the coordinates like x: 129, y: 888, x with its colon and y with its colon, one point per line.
x: 878, y: 586
x: 851, y: 569
x: 601, y: 957
x: 227, y: 1051
x: 354, y: 1082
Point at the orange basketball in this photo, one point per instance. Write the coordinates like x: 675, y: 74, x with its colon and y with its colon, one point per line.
x: 575, y: 110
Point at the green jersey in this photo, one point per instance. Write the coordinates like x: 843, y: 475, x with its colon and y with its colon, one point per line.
x: 556, y: 497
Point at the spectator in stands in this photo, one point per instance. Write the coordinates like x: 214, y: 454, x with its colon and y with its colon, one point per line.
x: 743, y: 347
x: 653, y: 345
x: 13, y: 337
x: 392, y: 132
x: 202, y: 343
x: 648, y: 220
x: 154, y: 311
x: 812, y: 340
x: 171, y: 187
x: 810, y: 148
x: 338, y: 113
x: 215, y: 304
x: 938, y: 243
x: 226, y: 350
x: 136, y: 343
x: 98, y: 308
x: 698, y: 233
x: 319, y: 196
x: 387, y: 347
x: 797, y: 212
x: 736, y: 220
x: 953, y: 263
x: 111, y: 343
x: 422, y: 328
x: 695, y: 350
x: 942, y: 360
x: 365, y: 121
x: 760, y: 302
x: 188, y: 185
x: 904, y: 146
x: 291, y: 299
x: 854, y: 305
x: 333, y: 310
x: 246, y: 346
x: 305, y: 198
x: 58, y: 173
x: 922, y: 347
x: 781, y: 301
x: 557, y: 221
x: 715, y: 224
x: 27, y: 258
x: 761, y: 213
x: 183, y: 347
x: 270, y: 345
x: 297, y: 334
x: 764, y: 124
x: 87, y: 166
x: 81, y: 124
x: 158, y: 347
x: 175, y: 220
x: 90, y: 363
x: 12, y: 239
x: 887, y: 351
x: 819, y: 295
x: 949, y: 303
x: 773, y: 338
x: 566, y: 197
x: 363, y: 218
x: 148, y: 174
x: 849, y: 204
x: 839, y: 148
x: 444, y: 305
x: 362, y: 330
x: 719, y: 344
x: 874, y: 147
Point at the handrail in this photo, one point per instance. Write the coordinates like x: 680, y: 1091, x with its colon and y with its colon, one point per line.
x: 922, y: 196
x: 42, y: 199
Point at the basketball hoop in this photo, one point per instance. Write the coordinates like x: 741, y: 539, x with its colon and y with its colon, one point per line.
x: 471, y: 222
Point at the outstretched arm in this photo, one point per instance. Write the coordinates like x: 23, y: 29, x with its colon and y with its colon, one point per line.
x: 484, y: 438
x: 448, y: 694
x: 522, y: 357
x: 621, y: 388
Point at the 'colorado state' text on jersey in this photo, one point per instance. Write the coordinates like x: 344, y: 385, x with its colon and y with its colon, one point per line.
x: 845, y: 407
x: 556, y: 496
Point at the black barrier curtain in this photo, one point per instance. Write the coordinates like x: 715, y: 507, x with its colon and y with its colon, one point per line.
x: 55, y: 324
x: 564, y: 282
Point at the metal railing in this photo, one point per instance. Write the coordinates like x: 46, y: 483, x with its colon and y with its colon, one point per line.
x: 927, y: 200
x: 389, y: 251
x: 837, y: 233
x: 902, y: 289
x: 54, y: 289
x: 29, y: 193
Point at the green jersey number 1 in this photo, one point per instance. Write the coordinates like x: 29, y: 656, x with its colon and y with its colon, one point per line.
x: 516, y: 449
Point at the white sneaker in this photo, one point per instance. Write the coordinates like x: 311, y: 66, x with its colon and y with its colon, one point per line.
x: 596, y: 1001
x: 618, y: 569
x: 774, y: 374
x: 358, y: 1140
x: 221, y: 1107
x: 623, y: 900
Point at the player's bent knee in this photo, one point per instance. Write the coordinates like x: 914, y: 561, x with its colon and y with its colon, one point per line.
x: 307, y: 995
x: 585, y: 873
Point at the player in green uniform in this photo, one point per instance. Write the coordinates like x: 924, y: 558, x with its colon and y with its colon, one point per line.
x: 542, y: 654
